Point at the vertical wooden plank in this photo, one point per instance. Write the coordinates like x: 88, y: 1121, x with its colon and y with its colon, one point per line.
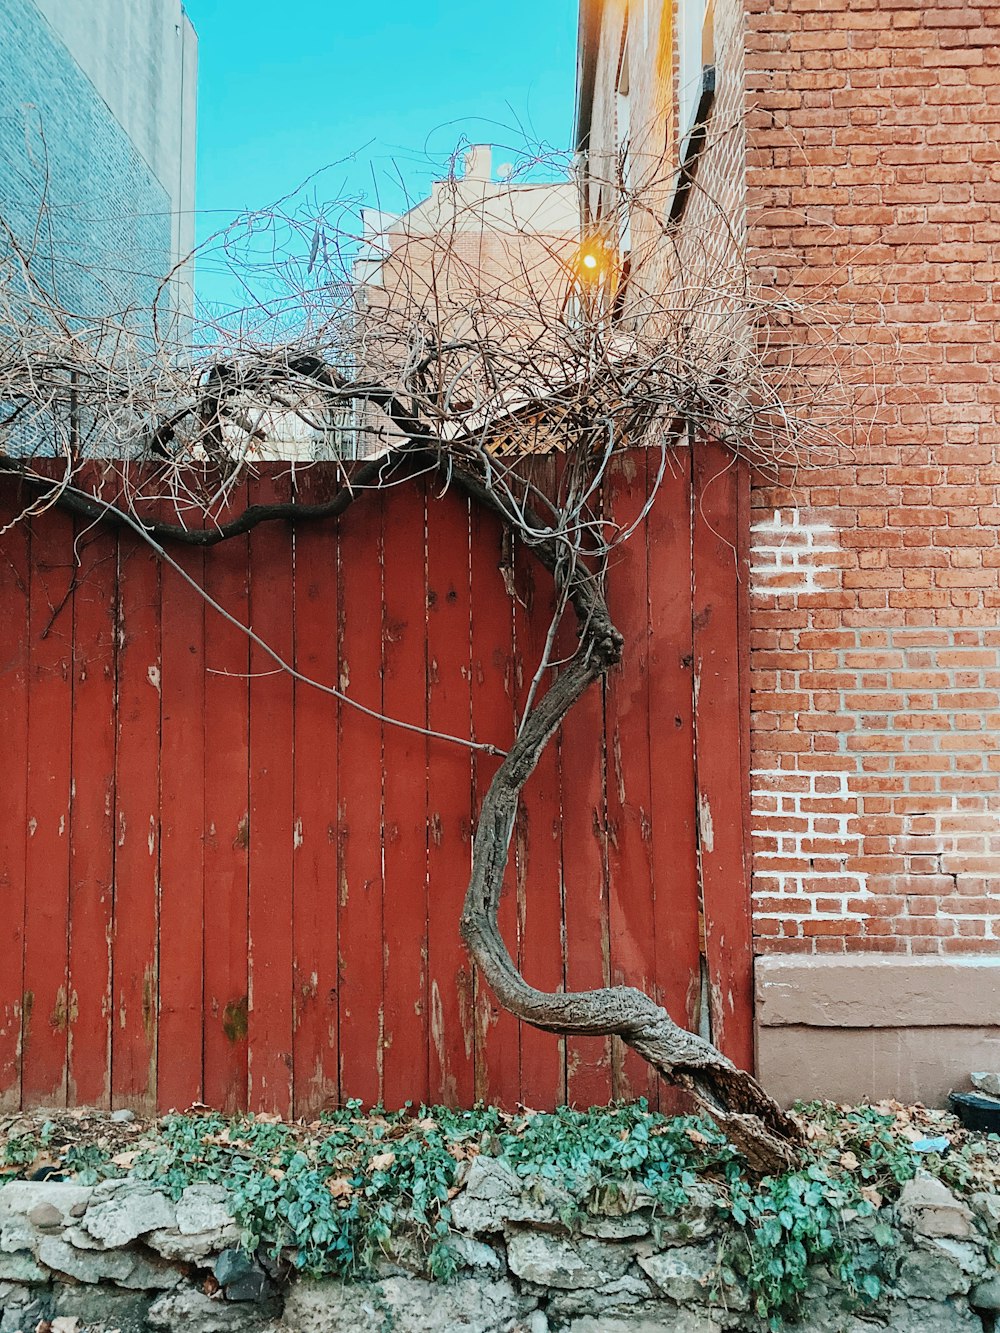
x: 671, y: 749
x: 449, y: 794
x: 360, y: 787
x: 404, y: 759
x: 497, y: 1045
x: 743, y: 668
x: 14, y: 661
x: 317, y: 715
x: 137, y: 823
x: 538, y: 835
x: 718, y: 729
x: 272, y: 697
x: 92, y: 827
x: 50, y: 723
x: 227, y: 820
x: 182, y: 814
x: 628, y: 773
x: 585, y: 877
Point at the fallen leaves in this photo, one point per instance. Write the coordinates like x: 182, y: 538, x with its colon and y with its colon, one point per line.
x: 463, y: 1151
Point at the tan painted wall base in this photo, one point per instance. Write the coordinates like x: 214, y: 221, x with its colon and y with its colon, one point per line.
x: 850, y: 1028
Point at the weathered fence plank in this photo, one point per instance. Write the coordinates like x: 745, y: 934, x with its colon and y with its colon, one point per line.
x: 449, y: 796
x: 404, y: 781
x: 718, y: 736
x: 271, y: 905
x: 498, y: 1068
x: 135, y: 978
x: 226, y: 821
x: 92, y: 815
x: 359, y: 757
x: 50, y: 723
x: 676, y: 899
x: 538, y: 833
x: 15, y: 576
x: 627, y: 724
x: 316, y: 1049
x: 585, y: 876
x: 182, y: 843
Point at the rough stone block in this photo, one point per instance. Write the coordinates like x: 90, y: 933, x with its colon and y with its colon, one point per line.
x: 494, y: 1195
x: 193, y: 1310
x: 123, y: 1267
x: 406, y: 1305
x: 556, y: 1261
x: 122, y: 1210
x: 931, y: 1209
x: 690, y: 1274
x: 669, y: 1318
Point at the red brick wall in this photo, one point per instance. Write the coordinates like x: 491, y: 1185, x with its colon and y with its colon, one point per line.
x: 874, y: 171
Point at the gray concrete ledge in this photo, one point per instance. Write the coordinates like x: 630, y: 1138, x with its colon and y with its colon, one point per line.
x: 877, y: 991
x: 875, y: 1026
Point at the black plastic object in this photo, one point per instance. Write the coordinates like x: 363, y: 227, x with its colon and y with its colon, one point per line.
x: 977, y: 1111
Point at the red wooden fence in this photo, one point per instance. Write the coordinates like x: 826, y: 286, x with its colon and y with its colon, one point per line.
x: 220, y: 885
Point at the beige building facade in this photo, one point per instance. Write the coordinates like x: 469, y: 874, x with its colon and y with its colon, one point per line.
x: 486, y: 260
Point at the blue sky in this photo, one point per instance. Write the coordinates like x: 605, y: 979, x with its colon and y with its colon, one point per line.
x: 287, y: 89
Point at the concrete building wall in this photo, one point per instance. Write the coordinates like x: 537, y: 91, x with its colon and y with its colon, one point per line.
x: 97, y: 111
x: 870, y: 186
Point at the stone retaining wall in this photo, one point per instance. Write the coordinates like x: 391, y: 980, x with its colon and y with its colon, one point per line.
x: 125, y: 1255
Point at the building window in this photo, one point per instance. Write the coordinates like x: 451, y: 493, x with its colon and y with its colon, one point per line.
x: 694, y: 22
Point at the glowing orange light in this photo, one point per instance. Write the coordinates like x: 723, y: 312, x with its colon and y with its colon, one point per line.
x: 589, y: 261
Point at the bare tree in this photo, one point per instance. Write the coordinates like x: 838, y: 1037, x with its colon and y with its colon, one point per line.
x: 455, y: 368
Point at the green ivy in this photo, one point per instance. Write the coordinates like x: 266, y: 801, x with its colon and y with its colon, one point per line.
x: 335, y: 1196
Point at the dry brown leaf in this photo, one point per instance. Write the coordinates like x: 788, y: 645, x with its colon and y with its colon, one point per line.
x: 696, y: 1137
x: 124, y: 1159
x: 463, y: 1152
x: 382, y: 1161
x: 870, y: 1193
x: 849, y: 1161
x: 341, y: 1188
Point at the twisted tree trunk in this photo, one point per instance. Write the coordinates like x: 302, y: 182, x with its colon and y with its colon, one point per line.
x: 751, y: 1119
